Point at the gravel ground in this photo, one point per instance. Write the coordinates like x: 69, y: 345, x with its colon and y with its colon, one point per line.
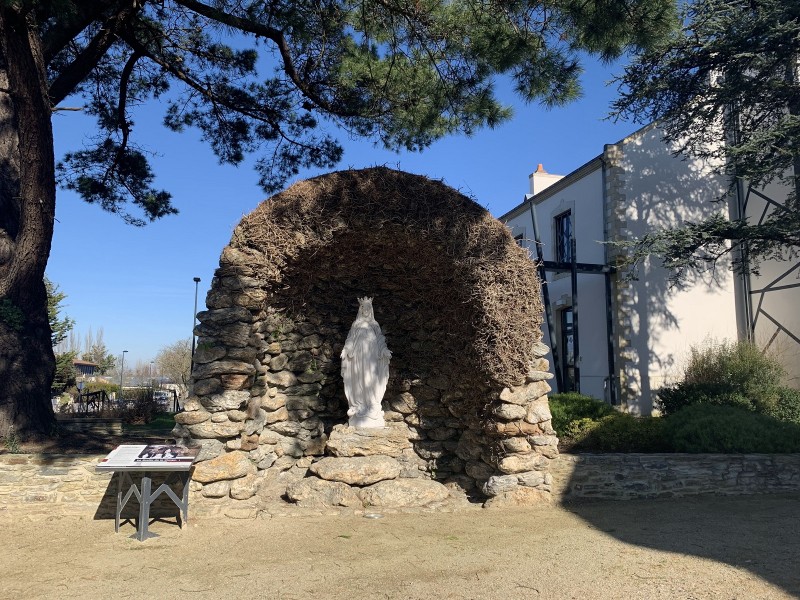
x: 697, y: 548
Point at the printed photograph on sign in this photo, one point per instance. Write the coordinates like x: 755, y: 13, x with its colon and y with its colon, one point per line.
x: 161, y: 452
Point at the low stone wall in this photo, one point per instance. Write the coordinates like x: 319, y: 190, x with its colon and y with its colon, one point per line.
x: 68, y: 485
x: 55, y: 484
x: 628, y: 476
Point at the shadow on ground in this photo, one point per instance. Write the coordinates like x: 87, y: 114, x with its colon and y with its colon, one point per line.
x: 760, y: 534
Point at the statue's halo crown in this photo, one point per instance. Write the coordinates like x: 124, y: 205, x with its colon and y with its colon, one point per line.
x: 365, y: 299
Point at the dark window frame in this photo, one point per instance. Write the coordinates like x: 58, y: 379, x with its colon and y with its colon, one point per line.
x: 563, y: 236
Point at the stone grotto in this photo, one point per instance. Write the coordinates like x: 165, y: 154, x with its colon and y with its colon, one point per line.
x: 465, y: 408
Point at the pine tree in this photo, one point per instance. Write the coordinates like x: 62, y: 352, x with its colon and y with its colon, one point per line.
x: 726, y: 88
x: 400, y: 73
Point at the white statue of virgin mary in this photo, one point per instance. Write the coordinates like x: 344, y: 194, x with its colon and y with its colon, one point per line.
x: 365, y: 368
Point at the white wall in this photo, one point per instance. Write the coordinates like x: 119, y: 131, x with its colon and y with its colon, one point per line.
x: 658, y: 191
x: 584, y: 198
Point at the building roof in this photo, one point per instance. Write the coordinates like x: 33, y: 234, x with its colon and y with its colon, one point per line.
x: 87, y: 363
x: 566, y: 181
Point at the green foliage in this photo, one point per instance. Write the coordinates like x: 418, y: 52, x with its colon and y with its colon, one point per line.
x: 672, y: 399
x: 66, y: 374
x: 11, y: 314
x: 139, y: 406
x: 788, y: 406
x: 701, y: 416
x: 161, y: 422
x: 587, y: 424
x: 731, y: 74
x: 401, y: 75
x: 572, y: 407
x: 620, y: 432
x: 100, y: 355
x: 12, y: 442
x: 728, y: 373
x: 98, y: 386
x: 713, y: 428
x: 58, y: 326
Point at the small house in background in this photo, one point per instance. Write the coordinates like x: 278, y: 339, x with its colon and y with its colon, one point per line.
x: 622, y: 340
x: 85, y: 368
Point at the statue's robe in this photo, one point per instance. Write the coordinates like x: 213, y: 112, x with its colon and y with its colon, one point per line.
x: 365, y: 371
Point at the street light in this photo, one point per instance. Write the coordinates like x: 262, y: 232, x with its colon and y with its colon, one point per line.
x: 194, y: 315
x: 121, y: 371
x: 151, y: 373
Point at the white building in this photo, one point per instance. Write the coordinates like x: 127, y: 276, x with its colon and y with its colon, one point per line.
x: 634, y: 336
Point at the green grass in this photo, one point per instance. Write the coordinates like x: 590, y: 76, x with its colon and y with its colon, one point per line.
x: 162, y: 422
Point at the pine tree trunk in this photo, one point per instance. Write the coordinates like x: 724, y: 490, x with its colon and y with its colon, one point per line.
x: 27, y: 210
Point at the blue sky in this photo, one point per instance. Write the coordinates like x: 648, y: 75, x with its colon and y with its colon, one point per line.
x: 136, y: 282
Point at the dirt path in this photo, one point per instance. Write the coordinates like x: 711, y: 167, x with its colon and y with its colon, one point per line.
x: 746, y: 547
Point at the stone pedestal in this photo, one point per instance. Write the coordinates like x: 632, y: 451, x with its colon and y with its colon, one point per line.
x: 366, y: 464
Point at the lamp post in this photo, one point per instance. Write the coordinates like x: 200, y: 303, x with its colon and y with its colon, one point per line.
x: 151, y: 374
x: 121, y: 372
x: 194, y: 314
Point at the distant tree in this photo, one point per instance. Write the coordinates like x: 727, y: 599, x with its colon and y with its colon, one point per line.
x: 66, y: 374
x: 97, y: 352
x: 60, y: 327
x: 401, y: 73
x: 175, y: 361
x: 726, y: 88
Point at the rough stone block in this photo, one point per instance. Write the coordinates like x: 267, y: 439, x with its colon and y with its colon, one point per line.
x: 519, y: 463
x: 244, y: 487
x: 209, y: 429
x: 479, y: 470
x: 401, y: 493
x: 228, y: 466
x: 204, y: 387
x: 276, y: 416
x: 498, y: 484
x: 235, y: 381
x: 227, y: 400
x: 271, y: 403
x: 208, y: 353
x: 223, y: 367
x: 192, y: 418
x: 513, y: 429
x: 282, y: 379
x: 354, y: 441
x: 218, y: 489
x: 538, y: 411
x: 520, y: 496
x: 358, y: 470
x: 312, y: 492
x: 509, y: 412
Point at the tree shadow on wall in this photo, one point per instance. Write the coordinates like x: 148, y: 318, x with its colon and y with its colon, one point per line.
x: 661, y: 192
x: 758, y: 533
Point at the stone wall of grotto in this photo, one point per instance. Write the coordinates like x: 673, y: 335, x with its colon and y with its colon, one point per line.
x: 458, y: 301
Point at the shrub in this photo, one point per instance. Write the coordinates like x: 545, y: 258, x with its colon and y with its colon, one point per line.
x: 719, y: 429
x: 673, y: 399
x: 733, y: 374
x: 621, y: 432
x: 97, y: 386
x: 570, y: 407
x: 788, y: 406
x: 140, y: 407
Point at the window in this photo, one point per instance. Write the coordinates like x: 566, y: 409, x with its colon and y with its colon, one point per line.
x: 520, y: 239
x: 567, y: 351
x: 563, y: 223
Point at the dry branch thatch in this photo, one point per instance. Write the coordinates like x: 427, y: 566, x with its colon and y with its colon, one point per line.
x: 428, y: 243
